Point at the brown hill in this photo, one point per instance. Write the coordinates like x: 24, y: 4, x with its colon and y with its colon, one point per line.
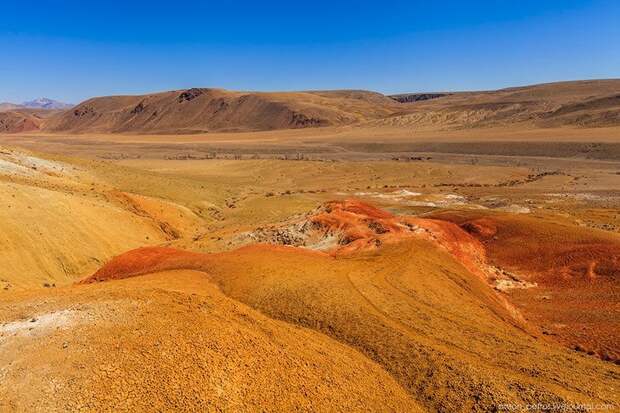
x: 203, y: 110
x: 577, y: 104
x: 588, y: 103
x: 13, y: 121
x: 592, y: 103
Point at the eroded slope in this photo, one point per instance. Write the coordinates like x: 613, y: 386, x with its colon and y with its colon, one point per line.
x: 174, y: 342
x: 571, y: 275
x: 60, y: 221
x: 409, y: 304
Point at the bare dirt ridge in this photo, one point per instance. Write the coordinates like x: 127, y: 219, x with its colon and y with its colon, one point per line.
x: 409, y: 303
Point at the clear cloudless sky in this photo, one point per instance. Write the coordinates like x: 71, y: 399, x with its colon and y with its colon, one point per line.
x: 71, y: 50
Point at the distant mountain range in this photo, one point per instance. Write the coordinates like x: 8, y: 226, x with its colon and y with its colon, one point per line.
x: 588, y: 103
x: 28, y: 116
x: 45, y: 103
x: 40, y: 103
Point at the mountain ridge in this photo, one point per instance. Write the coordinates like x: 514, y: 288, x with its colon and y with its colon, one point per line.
x: 38, y: 103
x: 582, y: 104
x: 46, y: 103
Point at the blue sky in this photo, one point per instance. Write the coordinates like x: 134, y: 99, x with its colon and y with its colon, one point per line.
x: 71, y: 50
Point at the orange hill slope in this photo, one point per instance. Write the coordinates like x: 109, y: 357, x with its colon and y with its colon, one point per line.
x: 575, y: 270
x: 410, y: 306
x: 412, y: 309
x: 397, y: 323
x: 350, y: 226
x: 203, y: 110
x: 174, y: 342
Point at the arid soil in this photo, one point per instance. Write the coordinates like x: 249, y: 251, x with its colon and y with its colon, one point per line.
x: 458, y: 266
x: 575, y: 272
x: 412, y: 309
x: 173, y: 341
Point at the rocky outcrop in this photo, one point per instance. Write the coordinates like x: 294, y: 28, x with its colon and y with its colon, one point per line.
x: 416, y: 97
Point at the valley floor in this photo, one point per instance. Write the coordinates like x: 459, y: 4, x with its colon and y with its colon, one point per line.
x: 340, y: 269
